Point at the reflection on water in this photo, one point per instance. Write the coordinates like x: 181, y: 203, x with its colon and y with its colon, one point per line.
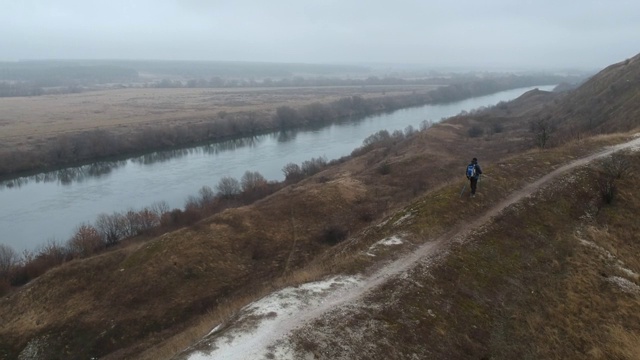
x: 285, y: 136
x: 67, y: 176
x: 210, y: 149
x: 102, y: 169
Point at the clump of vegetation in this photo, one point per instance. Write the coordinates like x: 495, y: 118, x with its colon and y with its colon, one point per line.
x: 384, y: 168
x: 611, y: 170
x: 542, y: 129
x: 475, y: 131
x: 334, y: 234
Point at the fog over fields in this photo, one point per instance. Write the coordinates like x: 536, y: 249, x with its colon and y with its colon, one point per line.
x: 463, y: 33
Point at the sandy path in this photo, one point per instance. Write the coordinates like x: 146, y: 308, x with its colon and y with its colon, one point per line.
x: 278, y: 320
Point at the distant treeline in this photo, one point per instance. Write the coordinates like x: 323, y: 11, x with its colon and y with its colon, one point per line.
x: 58, y: 74
x: 32, y: 78
x: 296, y: 81
x: 458, y: 81
x: 235, y: 69
x: 36, y: 78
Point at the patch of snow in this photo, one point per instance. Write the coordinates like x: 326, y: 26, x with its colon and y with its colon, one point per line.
x: 629, y: 272
x: 261, y: 324
x: 392, y: 240
x: 402, y: 219
x: 624, y: 284
x: 619, y: 264
x: 215, y: 329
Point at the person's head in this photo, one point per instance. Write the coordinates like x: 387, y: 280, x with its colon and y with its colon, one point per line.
x: 475, y: 160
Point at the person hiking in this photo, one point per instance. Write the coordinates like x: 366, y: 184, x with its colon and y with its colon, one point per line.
x: 473, y: 173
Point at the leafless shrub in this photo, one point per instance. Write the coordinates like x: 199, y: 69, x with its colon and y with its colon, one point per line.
x: 410, y: 131
x: 334, y: 234
x: 85, y: 241
x: 206, y: 195
x: 313, y: 166
x: 228, y: 187
x: 192, y: 203
x: 425, y: 124
x: 252, y: 181
x: 617, y: 165
x: 612, y: 169
x: 380, y: 137
x: 475, y: 131
x: 159, y: 208
x: 292, y: 172
x: 8, y: 259
x: 384, y: 168
x: 112, y: 227
x: 542, y: 129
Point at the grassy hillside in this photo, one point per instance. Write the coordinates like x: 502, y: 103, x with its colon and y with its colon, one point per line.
x: 606, y: 103
x: 555, y: 276
x: 540, y: 264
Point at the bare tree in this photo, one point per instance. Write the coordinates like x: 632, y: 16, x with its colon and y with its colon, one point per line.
x: 85, y: 241
x: 206, y: 195
x: 617, y: 165
x: 112, y: 228
x: 228, y: 187
x: 160, y: 208
x: 612, y: 169
x: 53, y: 252
x: 252, y: 180
x: 8, y: 258
x: 542, y: 129
x: 292, y: 171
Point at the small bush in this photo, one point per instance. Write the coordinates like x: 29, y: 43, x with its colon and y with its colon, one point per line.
x: 292, y: 172
x: 4, y: 286
x: 384, y: 168
x: 228, y: 187
x: 475, y: 131
x: 334, y: 234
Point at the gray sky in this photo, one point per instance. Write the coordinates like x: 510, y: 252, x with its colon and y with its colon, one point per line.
x: 489, y: 33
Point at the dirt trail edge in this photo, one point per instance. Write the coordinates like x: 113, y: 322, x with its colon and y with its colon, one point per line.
x: 261, y: 330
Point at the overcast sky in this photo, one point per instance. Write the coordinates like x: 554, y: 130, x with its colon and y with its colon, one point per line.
x: 469, y: 33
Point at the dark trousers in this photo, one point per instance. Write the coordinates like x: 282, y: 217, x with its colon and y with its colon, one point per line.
x: 474, y: 185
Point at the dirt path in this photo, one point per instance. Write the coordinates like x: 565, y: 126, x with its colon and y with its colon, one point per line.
x: 287, y: 310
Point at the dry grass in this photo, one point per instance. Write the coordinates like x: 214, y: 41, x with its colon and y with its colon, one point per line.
x: 524, y: 287
x: 158, y: 297
x: 26, y: 122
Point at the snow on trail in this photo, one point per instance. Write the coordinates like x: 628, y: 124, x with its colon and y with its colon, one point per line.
x: 272, y: 317
x: 260, y: 331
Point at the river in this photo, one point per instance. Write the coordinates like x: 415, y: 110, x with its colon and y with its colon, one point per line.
x: 49, y: 206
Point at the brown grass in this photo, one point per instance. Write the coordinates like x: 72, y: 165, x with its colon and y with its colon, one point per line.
x: 523, y: 287
x: 477, y: 302
x: 27, y: 122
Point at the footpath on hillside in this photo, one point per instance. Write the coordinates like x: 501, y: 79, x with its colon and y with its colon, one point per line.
x: 261, y: 330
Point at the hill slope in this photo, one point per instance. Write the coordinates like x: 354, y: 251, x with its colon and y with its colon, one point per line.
x: 151, y: 300
x: 367, y: 317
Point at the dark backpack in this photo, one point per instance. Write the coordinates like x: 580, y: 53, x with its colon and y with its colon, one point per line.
x: 471, y: 170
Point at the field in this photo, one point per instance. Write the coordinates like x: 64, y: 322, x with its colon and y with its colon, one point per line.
x: 28, y: 123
